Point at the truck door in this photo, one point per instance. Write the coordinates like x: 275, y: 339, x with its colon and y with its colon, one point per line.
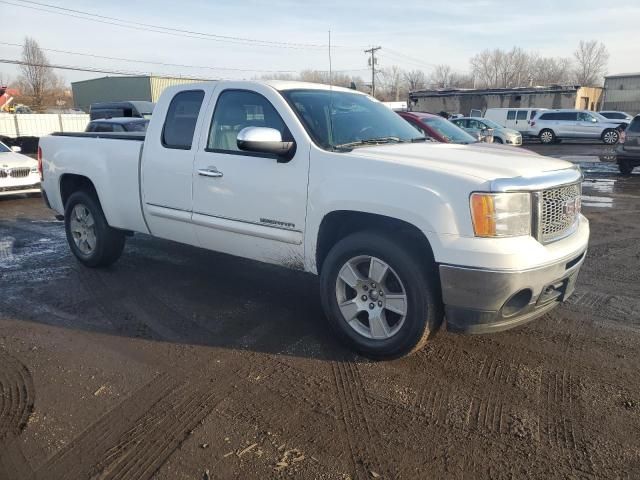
x: 522, y: 121
x: 246, y: 203
x: 167, y: 168
x: 511, y: 119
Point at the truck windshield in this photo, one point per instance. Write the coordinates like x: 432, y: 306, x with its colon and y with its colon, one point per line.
x: 341, y: 120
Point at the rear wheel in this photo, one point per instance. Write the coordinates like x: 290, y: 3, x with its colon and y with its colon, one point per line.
x: 378, y: 297
x: 611, y: 136
x: 547, y: 136
x: 91, y: 239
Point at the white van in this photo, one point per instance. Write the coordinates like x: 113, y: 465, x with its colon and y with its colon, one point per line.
x: 514, y: 118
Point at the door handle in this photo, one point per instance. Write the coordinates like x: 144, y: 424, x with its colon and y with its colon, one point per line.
x: 210, y: 172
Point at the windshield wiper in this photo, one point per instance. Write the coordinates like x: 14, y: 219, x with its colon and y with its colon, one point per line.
x: 419, y: 139
x: 369, y: 141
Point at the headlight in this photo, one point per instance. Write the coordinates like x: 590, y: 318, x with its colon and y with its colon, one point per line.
x: 501, y: 214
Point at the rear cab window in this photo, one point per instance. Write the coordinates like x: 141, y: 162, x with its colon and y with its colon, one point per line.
x: 511, y: 115
x: 522, y: 115
x: 180, y: 122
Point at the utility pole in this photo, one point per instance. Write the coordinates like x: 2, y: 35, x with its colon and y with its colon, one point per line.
x: 372, y: 61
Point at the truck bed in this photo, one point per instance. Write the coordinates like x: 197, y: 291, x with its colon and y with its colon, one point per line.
x: 135, y: 136
x: 110, y: 160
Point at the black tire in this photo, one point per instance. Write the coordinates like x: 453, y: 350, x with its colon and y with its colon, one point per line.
x: 610, y: 136
x: 497, y: 140
x: 547, y: 136
x: 424, y: 310
x: 625, y: 168
x: 109, y: 242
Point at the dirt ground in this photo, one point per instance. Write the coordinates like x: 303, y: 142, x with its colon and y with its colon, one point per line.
x: 176, y: 362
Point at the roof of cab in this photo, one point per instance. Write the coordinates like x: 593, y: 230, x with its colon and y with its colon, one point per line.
x: 280, y: 85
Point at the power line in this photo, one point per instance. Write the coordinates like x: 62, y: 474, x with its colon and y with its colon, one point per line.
x: 408, y: 59
x: 97, y: 70
x: 88, y: 16
x: 68, y: 52
x: 131, y: 72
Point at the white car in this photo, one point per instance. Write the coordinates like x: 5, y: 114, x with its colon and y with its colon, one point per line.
x: 402, y: 232
x: 18, y: 173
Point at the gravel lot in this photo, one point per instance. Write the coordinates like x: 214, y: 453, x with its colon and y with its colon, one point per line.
x: 177, y: 361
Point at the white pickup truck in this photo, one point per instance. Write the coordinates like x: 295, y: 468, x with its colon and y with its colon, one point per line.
x: 403, y: 233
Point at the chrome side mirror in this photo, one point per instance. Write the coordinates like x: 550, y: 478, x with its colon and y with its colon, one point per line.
x: 265, y: 140
x: 16, y: 149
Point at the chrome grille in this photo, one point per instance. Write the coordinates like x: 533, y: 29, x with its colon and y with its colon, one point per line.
x: 559, y: 210
x: 19, y: 172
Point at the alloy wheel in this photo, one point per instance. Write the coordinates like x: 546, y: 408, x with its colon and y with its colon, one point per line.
x: 371, y: 297
x: 82, y: 226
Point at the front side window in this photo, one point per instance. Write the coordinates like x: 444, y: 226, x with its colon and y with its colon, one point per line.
x: 182, y: 116
x: 342, y: 120
x: 4, y: 148
x: 634, y: 126
x: 239, y: 109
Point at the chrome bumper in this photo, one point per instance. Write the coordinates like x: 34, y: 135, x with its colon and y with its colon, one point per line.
x: 484, y: 301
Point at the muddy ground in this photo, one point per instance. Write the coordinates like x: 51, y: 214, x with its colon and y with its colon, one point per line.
x: 178, y: 361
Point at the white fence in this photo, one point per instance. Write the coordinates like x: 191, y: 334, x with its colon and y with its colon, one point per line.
x: 40, y: 124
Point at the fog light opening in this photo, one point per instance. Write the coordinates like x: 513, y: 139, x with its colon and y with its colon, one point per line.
x: 517, y: 303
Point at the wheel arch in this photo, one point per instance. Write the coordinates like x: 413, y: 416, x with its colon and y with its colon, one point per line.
x: 338, y: 224
x: 71, y: 182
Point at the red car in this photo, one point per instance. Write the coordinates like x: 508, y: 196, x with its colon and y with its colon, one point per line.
x: 437, y: 128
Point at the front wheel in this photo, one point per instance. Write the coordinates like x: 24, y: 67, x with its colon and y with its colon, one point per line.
x: 497, y: 140
x: 625, y: 168
x: 611, y: 136
x: 380, y: 299
x: 91, y: 239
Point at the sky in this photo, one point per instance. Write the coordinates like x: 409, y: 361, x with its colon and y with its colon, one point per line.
x: 412, y: 34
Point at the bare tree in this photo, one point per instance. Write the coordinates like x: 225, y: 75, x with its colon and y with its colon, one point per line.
x: 485, y: 67
x: 393, y: 82
x: 549, y: 71
x: 441, y: 76
x: 37, y: 76
x: 416, y: 80
x: 591, y: 62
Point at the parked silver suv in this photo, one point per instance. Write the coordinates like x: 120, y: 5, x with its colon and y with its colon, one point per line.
x: 551, y: 125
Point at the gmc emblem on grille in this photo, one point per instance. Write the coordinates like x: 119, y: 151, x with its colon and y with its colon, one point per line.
x: 571, y: 207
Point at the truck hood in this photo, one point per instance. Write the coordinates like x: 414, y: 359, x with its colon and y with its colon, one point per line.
x: 13, y: 160
x: 465, y: 160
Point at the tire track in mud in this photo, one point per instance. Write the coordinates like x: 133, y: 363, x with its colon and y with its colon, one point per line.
x: 360, y: 432
x: 17, y: 397
x: 134, y: 439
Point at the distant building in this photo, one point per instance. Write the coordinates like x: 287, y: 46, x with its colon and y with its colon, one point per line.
x: 464, y: 100
x: 115, y: 89
x: 622, y: 92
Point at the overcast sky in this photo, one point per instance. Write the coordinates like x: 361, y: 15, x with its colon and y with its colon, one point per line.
x: 413, y: 34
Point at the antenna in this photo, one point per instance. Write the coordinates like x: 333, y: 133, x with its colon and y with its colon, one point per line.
x: 330, y: 95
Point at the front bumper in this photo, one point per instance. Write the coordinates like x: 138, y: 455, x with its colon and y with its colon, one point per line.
x: 483, y: 301
x: 19, y: 189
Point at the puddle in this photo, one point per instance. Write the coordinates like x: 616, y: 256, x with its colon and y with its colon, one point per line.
x: 598, y: 202
x: 598, y: 185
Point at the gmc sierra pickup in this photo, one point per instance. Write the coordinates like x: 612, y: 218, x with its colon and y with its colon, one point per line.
x: 403, y: 233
